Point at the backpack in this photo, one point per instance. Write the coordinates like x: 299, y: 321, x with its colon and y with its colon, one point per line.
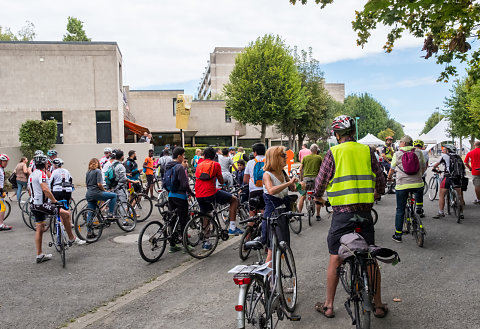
x: 258, y: 173
x: 110, y: 177
x: 205, y: 170
x: 170, y: 179
x: 13, y: 179
x: 456, y: 167
x: 410, y: 162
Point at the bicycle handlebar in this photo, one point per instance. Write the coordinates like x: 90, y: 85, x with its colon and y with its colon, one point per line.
x: 248, y: 220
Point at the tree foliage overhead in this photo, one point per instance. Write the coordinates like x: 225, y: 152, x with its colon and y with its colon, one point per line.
x: 26, y: 33
x: 447, y: 26
x: 37, y: 135
x: 432, y: 121
x: 75, y: 31
x: 265, y: 86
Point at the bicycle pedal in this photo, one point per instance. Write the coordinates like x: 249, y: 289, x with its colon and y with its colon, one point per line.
x: 50, y: 244
x: 295, y: 317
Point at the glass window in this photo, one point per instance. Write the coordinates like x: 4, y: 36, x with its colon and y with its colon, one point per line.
x: 228, y: 118
x: 174, y: 106
x: 57, y: 116
x: 213, y: 140
x: 104, y: 127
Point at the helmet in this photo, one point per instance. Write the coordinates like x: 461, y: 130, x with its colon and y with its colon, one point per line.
x: 4, y: 157
x: 38, y: 152
x: 57, y: 162
x: 343, y: 124
x: 450, y: 148
x: 51, y: 153
x: 40, y: 159
x: 107, y: 150
x: 418, y: 143
x: 389, y: 137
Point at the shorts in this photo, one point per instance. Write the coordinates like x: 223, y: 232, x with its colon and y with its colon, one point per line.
x: 149, y: 179
x: 206, y: 203
x: 3, y: 208
x: 258, y: 194
x: 448, y: 181
x: 40, y: 211
x: 137, y: 187
x: 341, y: 225
x: 476, y: 180
x: 62, y: 195
x: 309, y: 183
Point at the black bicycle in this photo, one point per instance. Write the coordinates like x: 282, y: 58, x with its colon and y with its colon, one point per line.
x: 434, y: 185
x: 252, y: 230
x: 412, y: 222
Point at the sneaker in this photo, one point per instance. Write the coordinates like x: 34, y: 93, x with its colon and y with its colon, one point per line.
x: 174, y: 249
x: 439, y: 215
x: 207, y: 245
x: 43, y: 258
x: 318, y: 218
x: 461, y: 216
x: 77, y: 242
x: 397, y: 237
x: 190, y: 248
x: 476, y: 201
x: 236, y: 231
x: 4, y: 227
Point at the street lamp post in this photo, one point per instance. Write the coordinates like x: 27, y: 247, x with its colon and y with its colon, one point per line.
x: 356, y: 125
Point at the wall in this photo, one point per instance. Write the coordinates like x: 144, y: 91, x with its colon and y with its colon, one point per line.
x: 77, y: 156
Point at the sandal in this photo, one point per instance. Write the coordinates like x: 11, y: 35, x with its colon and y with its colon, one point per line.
x: 5, y: 228
x: 320, y: 307
x: 384, y: 308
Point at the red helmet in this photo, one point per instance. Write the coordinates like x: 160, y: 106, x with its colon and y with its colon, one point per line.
x: 343, y: 124
x: 4, y: 157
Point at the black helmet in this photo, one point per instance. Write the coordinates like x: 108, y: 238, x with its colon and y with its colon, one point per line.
x: 40, y: 159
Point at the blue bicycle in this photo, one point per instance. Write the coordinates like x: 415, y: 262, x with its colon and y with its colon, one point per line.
x: 57, y: 230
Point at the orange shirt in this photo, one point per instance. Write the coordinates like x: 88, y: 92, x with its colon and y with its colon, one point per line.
x: 149, y: 162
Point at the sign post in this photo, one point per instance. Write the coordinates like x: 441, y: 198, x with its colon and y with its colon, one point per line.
x: 184, y: 105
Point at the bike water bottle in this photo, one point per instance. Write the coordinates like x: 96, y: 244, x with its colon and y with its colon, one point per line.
x: 299, y: 189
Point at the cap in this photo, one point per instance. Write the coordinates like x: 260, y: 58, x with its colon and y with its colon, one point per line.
x: 406, y: 139
x: 389, y: 137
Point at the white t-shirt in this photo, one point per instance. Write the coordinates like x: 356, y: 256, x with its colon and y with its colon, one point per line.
x: 105, y: 167
x: 58, y: 176
x: 446, y: 159
x: 103, y: 160
x: 249, y: 171
x: 2, y: 177
x: 36, y: 178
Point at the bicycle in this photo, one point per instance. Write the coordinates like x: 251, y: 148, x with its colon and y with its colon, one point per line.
x: 58, y: 233
x: 453, y: 202
x: 412, y: 221
x: 142, y: 204
x: 8, y: 207
x: 268, y: 292
x: 29, y: 219
x: 251, y: 231
x: 434, y: 185
x: 89, y: 223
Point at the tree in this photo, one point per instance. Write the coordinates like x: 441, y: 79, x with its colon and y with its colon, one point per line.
x: 472, y: 124
x: 75, y: 31
x: 37, y: 135
x: 26, y: 33
x: 385, y: 133
x: 448, y: 27
x: 432, y: 121
x: 265, y: 86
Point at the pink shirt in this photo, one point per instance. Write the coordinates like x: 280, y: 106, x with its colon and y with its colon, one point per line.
x: 302, y: 153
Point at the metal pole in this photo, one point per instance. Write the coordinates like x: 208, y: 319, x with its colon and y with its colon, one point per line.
x: 356, y: 126
x: 182, y: 137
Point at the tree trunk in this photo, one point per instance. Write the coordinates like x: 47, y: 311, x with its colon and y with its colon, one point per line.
x: 472, y: 142
x: 301, y: 138
x: 290, y: 141
x: 461, y: 146
x: 263, y: 132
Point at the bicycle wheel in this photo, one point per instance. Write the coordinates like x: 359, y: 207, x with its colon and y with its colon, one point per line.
x: 8, y: 209
x: 55, y: 240
x: 295, y: 223
x: 310, y: 211
x: 200, y: 237
x: 418, y: 230
x: 432, y: 188
x: 71, y: 206
x: 425, y: 187
x: 254, y: 306
x: 457, y: 209
x: 374, y: 216
x: 345, y: 274
x: 287, y: 274
x: 89, y: 225
x: 248, y: 235
x: 126, y: 216
x: 152, y: 241
x: 362, y: 315
x: 79, y: 206
x: 63, y: 246
x: 26, y: 215
x: 143, y: 207
x: 448, y: 202
x: 162, y: 201
x: 23, y: 199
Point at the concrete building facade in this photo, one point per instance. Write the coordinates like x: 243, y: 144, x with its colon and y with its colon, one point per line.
x: 78, y: 84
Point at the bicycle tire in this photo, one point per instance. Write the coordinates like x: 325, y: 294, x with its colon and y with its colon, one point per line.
x: 274, y: 312
x: 143, y: 208
x: 374, y: 216
x: 418, y: 230
x: 295, y: 224
x: 71, y: 206
x: 26, y: 216
x: 23, y: 199
x: 96, y: 226
x: 248, y: 235
x: 126, y: 216
x: 79, y: 206
x: 345, y: 273
x: 254, y: 305
x: 447, y: 202
x: 62, y: 251
x: 456, y: 206
x: 362, y: 314
x: 53, y: 234
x: 432, y: 188
x: 201, y: 231
x: 425, y: 188
x: 154, y: 238
x: 8, y: 209
x: 288, y: 283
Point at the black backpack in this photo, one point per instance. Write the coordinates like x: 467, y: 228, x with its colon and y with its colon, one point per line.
x: 456, y: 168
x: 170, y: 178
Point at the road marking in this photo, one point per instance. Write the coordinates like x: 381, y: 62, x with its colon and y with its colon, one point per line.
x: 104, y: 311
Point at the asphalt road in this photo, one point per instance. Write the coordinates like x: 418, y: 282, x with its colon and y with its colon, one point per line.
x: 438, y: 284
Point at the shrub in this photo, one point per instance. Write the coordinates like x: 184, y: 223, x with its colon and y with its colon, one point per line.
x: 37, y: 135
x: 190, y: 151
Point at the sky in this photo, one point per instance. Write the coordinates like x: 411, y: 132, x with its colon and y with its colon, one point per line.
x: 165, y: 44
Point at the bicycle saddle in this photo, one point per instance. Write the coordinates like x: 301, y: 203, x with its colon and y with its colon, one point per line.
x: 293, y: 197
x: 254, y: 244
x: 255, y: 202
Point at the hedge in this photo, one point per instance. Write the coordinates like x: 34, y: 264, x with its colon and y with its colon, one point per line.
x: 190, y: 151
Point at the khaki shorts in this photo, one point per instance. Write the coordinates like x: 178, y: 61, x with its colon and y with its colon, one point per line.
x: 309, y: 183
x: 476, y: 180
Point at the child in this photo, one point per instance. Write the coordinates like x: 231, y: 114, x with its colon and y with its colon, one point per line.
x: 239, y: 179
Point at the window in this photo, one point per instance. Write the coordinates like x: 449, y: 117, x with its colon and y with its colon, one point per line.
x: 104, y: 127
x: 228, y: 118
x: 58, y: 116
x: 174, y: 106
x: 213, y: 140
x: 120, y: 82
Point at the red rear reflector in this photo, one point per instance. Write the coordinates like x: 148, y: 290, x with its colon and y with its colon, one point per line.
x: 358, y: 229
x: 238, y: 308
x: 310, y: 192
x: 241, y: 281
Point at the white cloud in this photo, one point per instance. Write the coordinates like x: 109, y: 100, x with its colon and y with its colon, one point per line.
x: 169, y: 41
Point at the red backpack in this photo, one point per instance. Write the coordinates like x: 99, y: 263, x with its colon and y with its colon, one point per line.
x: 410, y: 162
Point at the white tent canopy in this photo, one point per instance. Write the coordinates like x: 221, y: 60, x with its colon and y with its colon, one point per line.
x: 370, y: 140
x: 439, y: 134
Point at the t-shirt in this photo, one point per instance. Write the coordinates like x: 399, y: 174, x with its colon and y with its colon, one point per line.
x: 196, y: 159
x: 445, y: 159
x: 58, y: 176
x: 2, y: 177
x: 34, y: 184
x: 93, y: 178
x: 103, y: 160
x: 207, y: 188
x: 225, y: 163
x: 149, y: 162
x: 474, y: 157
x: 303, y: 153
x: 249, y: 171
x: 311, y: 165
x: 105, y: 167
x: 131, y: 168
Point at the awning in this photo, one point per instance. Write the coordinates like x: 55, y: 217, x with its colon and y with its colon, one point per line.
x: 134, y: 128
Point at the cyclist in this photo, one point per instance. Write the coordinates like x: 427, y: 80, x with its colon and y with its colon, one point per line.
x: 352, y: 177
x: 61, y: 181
x: 308, y: 172
x: 255, y: 184
x: 149, y: 168
x: 121, y: 177
x: 3, y: 164
x: 176, y: 183
x: 419, y: 144
x: 40, y: 193
x: 240, y: 155
x: 226, y: 162
x: 208, y: 172
x: 162, y: 162
x: 231, y: 152
x: 304, y: 152
x: 52, y: 155
x: 408, y: 180
x: 474, y: 157
x: 387, y: 153
x: 132, y: 171
x: 107, y: 153
x: 107, y: 165
x: 196, y: 158
x: 450, y: 177
x: 31, y: 165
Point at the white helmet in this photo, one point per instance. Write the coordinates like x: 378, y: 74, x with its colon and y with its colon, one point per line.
x: 107, y: 149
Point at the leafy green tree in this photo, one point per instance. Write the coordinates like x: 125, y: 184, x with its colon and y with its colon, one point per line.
x: 385, y: 133
x: 26, y: 33
x: 37, y: 135
x: 472, y: 124
x: 265, y: 86
x: 372, y: 115
x: 432, y: 121
x: 75, y: 31
x: 448, y: 27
